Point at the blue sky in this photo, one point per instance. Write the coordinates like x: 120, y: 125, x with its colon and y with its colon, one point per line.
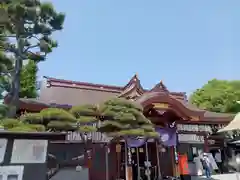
x: 184, y: 43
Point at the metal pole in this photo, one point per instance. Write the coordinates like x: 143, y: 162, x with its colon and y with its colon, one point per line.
x: 147, y: 159
x: 158, y: 162
x: 107, y: 164
x: 138, y: 168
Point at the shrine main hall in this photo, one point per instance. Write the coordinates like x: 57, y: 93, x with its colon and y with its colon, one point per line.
x: 194, y: 127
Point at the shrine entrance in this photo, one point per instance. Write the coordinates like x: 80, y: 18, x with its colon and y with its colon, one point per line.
x: 165, y: 114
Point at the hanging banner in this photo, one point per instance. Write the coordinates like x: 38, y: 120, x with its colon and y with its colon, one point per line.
x: 136, y: 141
x: 168, y: 138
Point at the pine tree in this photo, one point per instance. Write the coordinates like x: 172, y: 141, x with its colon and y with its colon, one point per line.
x: 29, y: 26
x: 86, y: 116
x: 124, y: 118
x: 53, y: 119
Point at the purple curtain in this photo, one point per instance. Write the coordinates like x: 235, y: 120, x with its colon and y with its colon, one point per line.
x: 168, y: 137
x: 136, y: 142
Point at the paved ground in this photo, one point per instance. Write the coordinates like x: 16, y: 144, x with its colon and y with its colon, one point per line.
x: 220, y: 177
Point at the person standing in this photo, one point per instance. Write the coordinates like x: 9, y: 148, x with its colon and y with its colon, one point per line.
x: 218, y: 160
x: 206, y: 165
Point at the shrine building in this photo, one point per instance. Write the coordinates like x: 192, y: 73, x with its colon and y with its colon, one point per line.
x: 163, y: 107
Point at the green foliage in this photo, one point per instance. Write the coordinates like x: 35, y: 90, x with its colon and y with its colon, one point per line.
x: 19, y: 126
x: 3, y: 111
x: 61, y: 126
x: 33, y: 22
x: 53, y: 119
x: 28, y: 26
x: 84, y: 110
x: 27, y: 128
x: 86, y: 116
x: 6, y: 63
x: 28, y: 80
x: 22, y: 129
x: 10, y: 123
x: 218, y: 96
x: 32, y: 118
x: 56, y: 114
x: 4, y: 86
x: 125, y: 118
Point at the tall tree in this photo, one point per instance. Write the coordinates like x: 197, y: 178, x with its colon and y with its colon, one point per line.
x: 29, y: 26
x: 218, y: 96
x: 28, y: 80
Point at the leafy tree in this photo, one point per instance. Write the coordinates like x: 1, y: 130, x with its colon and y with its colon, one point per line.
x: 123, y: 118
x: 86, y: 116
x: 28, y: 80
x: 218, y: 96
x: 53, y: 119
x: 29, y: 26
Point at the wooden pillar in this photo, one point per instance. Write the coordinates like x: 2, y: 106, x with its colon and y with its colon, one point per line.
x: 206, y: 148
x: 173, y: 160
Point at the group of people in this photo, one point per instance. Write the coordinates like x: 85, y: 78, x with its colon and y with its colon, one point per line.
x: 207, y: 163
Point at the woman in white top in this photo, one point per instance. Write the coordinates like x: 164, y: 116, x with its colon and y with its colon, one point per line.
x: 198, y: 165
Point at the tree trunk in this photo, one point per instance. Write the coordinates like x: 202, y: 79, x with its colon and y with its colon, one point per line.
x: 14, y: 103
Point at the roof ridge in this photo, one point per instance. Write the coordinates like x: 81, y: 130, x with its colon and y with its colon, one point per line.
x: 98, y: 85
x: 83, y: 83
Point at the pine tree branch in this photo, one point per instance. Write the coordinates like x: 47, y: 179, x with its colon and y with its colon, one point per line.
x: 33, y: 36
x: 30, y: 47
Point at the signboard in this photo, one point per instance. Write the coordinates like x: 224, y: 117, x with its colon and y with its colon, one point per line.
x: 199, y: 128
x: 3, y: 146
x: 161, y: 105
x: 94, y: 136
x: 29, y: 151
x: 194, y: 128
x: 190, y: 138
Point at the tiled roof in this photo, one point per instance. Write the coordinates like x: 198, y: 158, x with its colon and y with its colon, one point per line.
x: 65, y: 93
x: 59, y: 91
